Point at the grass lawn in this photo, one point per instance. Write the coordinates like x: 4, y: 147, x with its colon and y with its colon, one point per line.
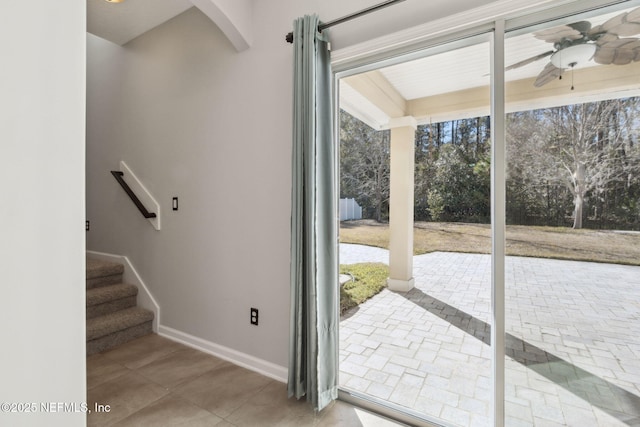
x: 541, y: 242
x: 368, y: 280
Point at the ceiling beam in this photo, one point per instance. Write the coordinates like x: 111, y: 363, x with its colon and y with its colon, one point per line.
x: 461, y: 104
x: 591, y: 84
x: 377, y: 89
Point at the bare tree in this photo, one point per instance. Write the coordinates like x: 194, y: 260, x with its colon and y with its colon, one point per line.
x: 528, y: 166
x: 364, y: 165
x: 587, y: 147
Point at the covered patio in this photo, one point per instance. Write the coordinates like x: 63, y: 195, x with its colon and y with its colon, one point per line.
x: 427, y: 350
x: 572, y: 329
x: 452, y: 81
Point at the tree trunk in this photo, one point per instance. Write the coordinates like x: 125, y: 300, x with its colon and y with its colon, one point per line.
x: 579, y: 195
x: 577, y: 220
x: 379, y: 194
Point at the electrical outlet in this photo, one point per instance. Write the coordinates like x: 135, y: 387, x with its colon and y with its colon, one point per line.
x: 254, y: 316
x: 86, y: 225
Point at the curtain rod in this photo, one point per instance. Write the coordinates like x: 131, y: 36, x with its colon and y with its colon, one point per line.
x: 355, y: 15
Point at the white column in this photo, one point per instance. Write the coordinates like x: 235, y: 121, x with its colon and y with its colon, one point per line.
x: 403, y: 135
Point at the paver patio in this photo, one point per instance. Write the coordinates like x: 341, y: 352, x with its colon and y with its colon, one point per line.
x: 573, y: 341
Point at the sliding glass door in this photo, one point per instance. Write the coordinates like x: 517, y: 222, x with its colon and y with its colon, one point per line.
x: 572, y: 313
x: 417, y: 132
x: 490, y: 225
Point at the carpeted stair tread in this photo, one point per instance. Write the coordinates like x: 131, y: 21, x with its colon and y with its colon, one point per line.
x: 119, y: 321
x: 110, y: 299
x: 98, y: 268
x: 111, y: 312
x: 105, y: 294
x: 110, y: 341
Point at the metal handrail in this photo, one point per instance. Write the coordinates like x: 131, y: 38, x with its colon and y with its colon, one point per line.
x: 119, y: 177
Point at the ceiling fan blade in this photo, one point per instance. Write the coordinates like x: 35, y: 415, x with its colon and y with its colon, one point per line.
x: 634, y: 15
x: 557, y: 34
x: 618, y: 52
x: 625, y: 25
x: 582, y: 26
x: 529, y: 60
x: 612, y: 23
x: 594, y: 31
x: 604, y: 56
x: 606, y: 38
x: 549, y: 73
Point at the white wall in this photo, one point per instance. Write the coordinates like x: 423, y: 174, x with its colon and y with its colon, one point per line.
x: 42, y: 242
x: 195, y: 119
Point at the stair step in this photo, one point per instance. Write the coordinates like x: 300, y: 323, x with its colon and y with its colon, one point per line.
x: 103, y: 273
x: 120, y: 320
x: 110, y: 330
x: 112, y: 340
x: 109, y: 299
x: 100, y: 268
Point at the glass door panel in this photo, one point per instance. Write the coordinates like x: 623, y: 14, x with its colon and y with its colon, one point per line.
x: 424, y: 348
x: 572, y: 270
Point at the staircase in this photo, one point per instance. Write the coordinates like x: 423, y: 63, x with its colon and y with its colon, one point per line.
x: 113, y: 317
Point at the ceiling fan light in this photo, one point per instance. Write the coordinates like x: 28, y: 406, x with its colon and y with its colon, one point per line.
x: 576, y: 55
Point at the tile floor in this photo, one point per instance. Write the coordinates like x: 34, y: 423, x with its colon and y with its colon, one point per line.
x: 154, y: 381
x: 572, y: 344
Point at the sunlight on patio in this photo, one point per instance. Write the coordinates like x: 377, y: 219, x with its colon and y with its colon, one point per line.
x: 573, y: 351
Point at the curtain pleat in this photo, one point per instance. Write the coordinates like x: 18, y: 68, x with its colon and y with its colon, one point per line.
x: 313, y: 348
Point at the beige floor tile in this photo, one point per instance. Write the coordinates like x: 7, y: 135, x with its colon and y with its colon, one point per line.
x: 142, y: 351
x: 223, y: 389
x: 179, y: 367
x: 272, y: 407
x: 170, y: 411
x: 174, y: 385
x: 124, y: 395
x: 101, y: 369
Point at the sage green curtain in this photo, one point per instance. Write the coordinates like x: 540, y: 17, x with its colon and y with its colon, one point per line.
x: 313, y: 346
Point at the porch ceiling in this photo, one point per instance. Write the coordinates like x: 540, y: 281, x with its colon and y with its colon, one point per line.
x: 455, y: 84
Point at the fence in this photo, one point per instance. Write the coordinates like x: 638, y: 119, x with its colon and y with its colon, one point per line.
x: 349, y: 209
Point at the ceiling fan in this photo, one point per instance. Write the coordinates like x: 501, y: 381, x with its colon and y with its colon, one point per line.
x: 579, y: 42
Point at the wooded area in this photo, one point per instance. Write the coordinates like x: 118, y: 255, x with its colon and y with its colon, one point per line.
x: 576, y: 165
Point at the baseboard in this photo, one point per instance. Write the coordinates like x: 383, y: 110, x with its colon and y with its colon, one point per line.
x: 146, y: 300
x: 268, y: 369
x: 130, y: 275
